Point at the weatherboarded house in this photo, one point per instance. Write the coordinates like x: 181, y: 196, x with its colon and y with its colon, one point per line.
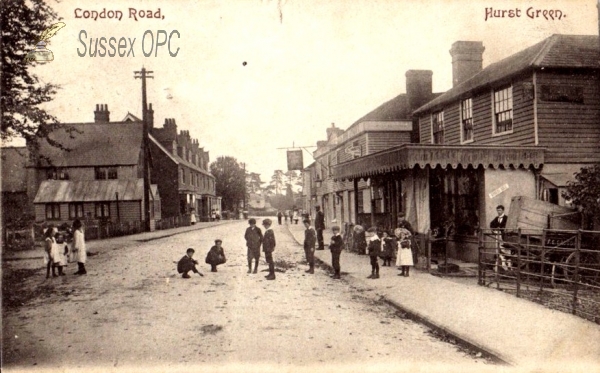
x: 97, y: 177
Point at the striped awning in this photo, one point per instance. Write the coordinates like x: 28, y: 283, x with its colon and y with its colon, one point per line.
x: 57, y: 191
x: 408, y: 156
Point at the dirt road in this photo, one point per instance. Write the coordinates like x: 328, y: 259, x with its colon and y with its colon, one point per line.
x: 133, y: 311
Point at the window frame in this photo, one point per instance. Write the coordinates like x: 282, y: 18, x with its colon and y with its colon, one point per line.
x: 99, y: 206
x: 54, y: 209
x: 73, y: 210
x: 498, y: 109
x: 468, y: 110
x: 437, y: 127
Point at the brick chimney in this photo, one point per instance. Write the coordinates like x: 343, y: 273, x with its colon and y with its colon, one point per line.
x: 101, y: 115
x: 333, y: 131
x: 467, y: 60
x: 150, y: 117
x: 419, y: 88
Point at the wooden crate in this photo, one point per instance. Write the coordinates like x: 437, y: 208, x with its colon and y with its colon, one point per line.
x: 533, y: 215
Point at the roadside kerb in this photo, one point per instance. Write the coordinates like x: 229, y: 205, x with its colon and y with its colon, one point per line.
x: 414, y: 315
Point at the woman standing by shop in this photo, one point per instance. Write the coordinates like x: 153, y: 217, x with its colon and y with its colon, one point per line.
x: 79, y: 251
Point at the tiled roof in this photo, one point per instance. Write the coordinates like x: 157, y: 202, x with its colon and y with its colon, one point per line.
x: 177, y: 159
x: 95, y: 144
x: 14, y: 174
x: 57, y: 191
x: 557, y: 51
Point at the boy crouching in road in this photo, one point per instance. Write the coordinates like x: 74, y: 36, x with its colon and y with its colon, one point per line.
x: 336, y: 245
x: 187, y: 264
x: 268, y: 245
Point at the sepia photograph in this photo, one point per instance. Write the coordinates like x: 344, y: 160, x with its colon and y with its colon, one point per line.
x: 300, y: 186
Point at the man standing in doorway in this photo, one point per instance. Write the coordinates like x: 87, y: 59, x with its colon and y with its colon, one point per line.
x: 320, y: 227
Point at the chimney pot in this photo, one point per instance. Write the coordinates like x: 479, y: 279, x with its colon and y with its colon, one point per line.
x: 101, y: 115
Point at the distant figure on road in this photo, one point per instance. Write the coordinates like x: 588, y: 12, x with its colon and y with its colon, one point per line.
x: 374, y: 249
x: 310, y: 238
x: 295, y: 217
x: 254, y: 239
x: 78, y: 248
x: 216, y: 255
x: 268, y: 247
x: 187, y: 264
x: 320, y: 226
x: 285, y: 216
x: 279, y: 216
x: 192, y: 217
x: 336, y: 246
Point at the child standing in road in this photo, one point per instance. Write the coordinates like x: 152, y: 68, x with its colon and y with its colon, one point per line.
x: 389, y: 247
x: 187, y: 264
x: 404, y: 259
x: 268, y: 247
x: 374, y: 250
x: 254, y: 239
x: 216, y: 255
x: 336, y: 246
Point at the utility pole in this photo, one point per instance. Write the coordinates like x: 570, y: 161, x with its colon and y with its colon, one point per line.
x: 146, y: 144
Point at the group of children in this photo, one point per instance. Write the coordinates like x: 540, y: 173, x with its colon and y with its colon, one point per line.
x: 58, y: 252
x: 216, y: 255
x: 399, y: 245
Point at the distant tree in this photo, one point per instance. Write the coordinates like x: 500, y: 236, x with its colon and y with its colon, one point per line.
x: 584, y: 192
x: 22, y: 91
x: 229, y: 181
x: 277, y: 182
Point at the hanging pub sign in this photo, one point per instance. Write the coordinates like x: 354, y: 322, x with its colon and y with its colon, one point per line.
x: 294, y: 160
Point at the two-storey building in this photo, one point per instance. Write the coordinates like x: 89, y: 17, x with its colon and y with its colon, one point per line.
x: 521, y: 126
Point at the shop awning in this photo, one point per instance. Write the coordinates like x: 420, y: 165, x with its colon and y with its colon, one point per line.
x: 560, y: 174
x: 410, y: 155
x: 57, y: 191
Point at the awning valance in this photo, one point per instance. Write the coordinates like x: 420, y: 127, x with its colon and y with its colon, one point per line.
x: 410, y: 155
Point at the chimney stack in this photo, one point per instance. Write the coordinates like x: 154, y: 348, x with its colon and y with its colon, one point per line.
x: 333, y: 131
x: 419, y: 88
x: 101, y: 115
x: 150, y: 117
x: 467, y: 60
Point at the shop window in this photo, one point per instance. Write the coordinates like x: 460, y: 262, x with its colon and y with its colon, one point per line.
x: 361, y: 200
x: 76, y: 210
x: 53, y: 211
x: 437, y: 127
x: 102, y: 209
x: 503, y: 110
x: 553, y: 195
x: 466, y: 119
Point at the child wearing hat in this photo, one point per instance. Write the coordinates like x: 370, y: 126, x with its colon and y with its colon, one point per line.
x: 336, y: 246
x: 268, y: 247
x: 254, y: 239
x: 216, y: 255
x: 374, y: 250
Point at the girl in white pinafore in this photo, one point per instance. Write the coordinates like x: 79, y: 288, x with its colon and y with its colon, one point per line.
x: 78, y: 247
x: 404, y: 259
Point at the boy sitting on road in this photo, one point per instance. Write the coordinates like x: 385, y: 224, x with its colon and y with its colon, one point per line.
x: 187, y: 264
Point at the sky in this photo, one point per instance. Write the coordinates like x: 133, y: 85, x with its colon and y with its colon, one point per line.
x: 252, y: 76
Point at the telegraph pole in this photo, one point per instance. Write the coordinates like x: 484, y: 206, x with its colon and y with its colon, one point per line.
x: 146, y: 144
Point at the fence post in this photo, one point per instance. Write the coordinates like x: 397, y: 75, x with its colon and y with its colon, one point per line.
x: 519, y: 263
x: 498, y: 261
x: 429, y: 253
x: 577, y: 260
x: 542, y: 259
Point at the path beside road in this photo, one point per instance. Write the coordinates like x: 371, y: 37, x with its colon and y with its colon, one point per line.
x: 514, y: 330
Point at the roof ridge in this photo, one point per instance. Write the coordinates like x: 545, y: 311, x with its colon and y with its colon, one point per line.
x: 548, y: 44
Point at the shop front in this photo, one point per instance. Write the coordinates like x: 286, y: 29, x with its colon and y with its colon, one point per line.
x: 452, y: 190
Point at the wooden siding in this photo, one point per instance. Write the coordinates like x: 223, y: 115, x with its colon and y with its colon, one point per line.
x: 342, y: 156
x: 570, y: 131
x: 523, y: 127
x: 128, y: 210
x: 379, y: 141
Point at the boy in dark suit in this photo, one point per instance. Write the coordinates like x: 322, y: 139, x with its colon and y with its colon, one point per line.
x: 374, y: 250
x: 254, y: 239
x: 310, y: 238
x: 336, y: 245
x: 187, y: 264
x: 499, y: 222
x: 268, y: 244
